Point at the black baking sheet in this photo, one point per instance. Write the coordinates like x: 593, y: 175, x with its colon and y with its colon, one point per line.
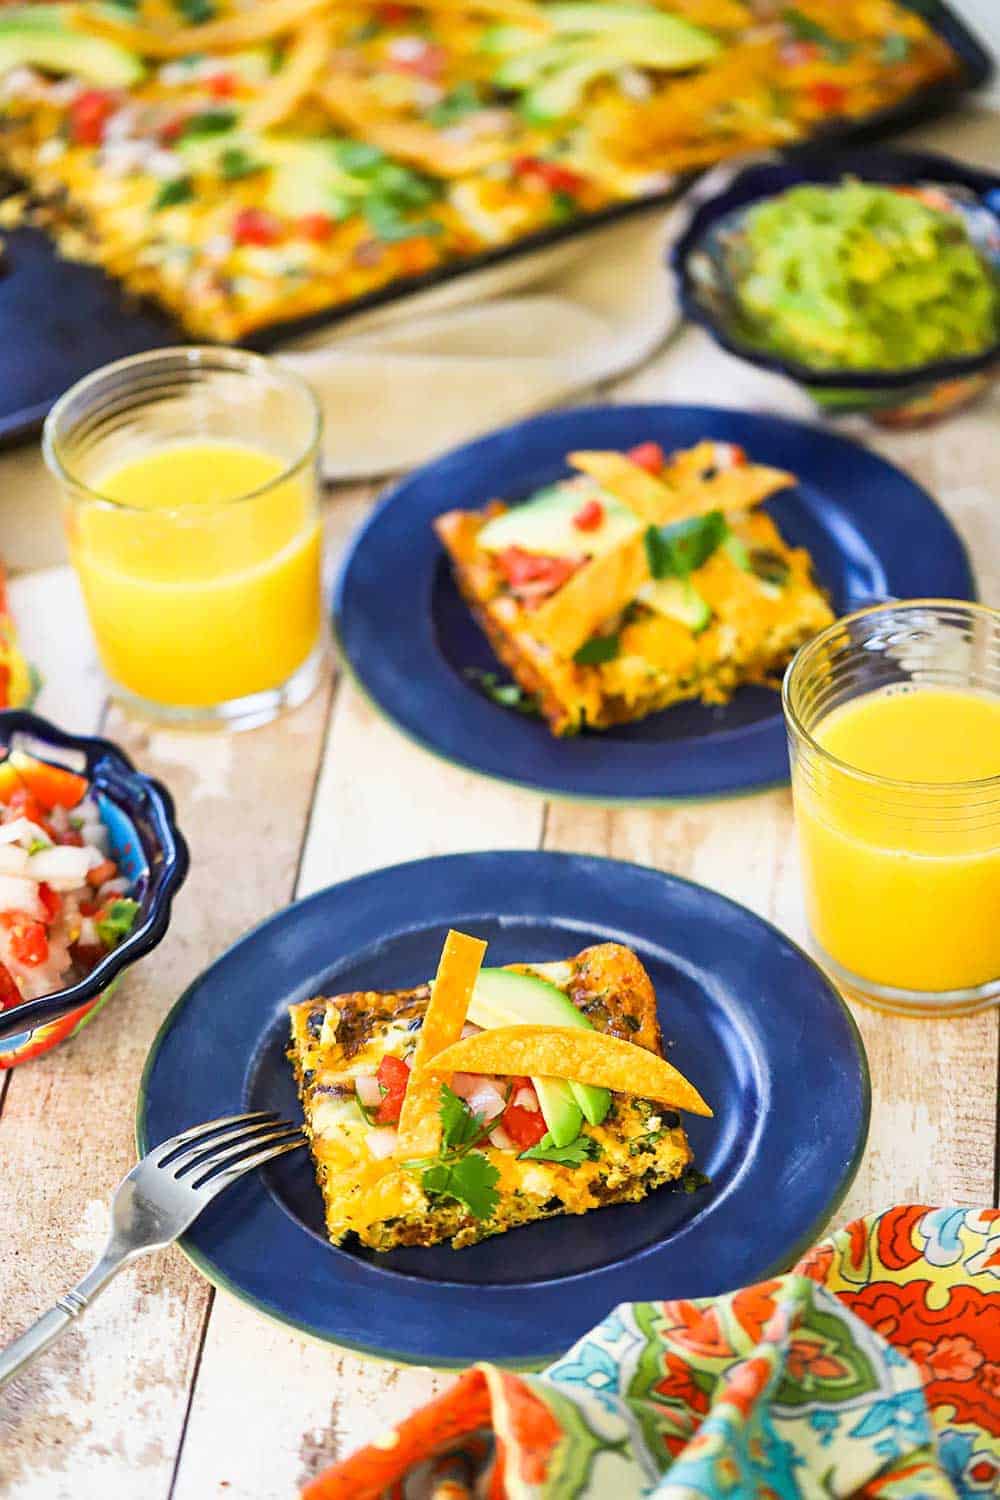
x: 60, y: 320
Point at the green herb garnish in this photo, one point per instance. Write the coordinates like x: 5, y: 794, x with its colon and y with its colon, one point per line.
x: 584, y: 1148
x: 599, y: 649
x: 117, y: 922
x: 358, y: 156
x: 459, y: 1172
x: 678, y: 550
x: 388, y: 224
x: 208, y: 122
x: 563, y: 206
x: 461, y: 101
x: 197, y: 11
x: 805, y: 29
x: 506, y: 694
x: 177, y: 190
x: 235, y: 163
x: 37, y: 845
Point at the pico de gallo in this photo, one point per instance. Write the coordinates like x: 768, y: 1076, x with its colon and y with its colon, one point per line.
x: 64, y: 902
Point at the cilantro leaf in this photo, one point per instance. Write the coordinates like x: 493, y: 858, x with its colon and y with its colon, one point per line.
x: 117, y: 922
x: 584, y: 1148
x: 804, y: 29
x: 506, y: 694
x: 208, y: 122
x: 459, y: 1126
x: 675, y: 551
x: 461, y: 101
x: 197, y: 11
x: 177, y: 190
x: 471, y: 1180
x: 235, y: 163
x: 600, y: 648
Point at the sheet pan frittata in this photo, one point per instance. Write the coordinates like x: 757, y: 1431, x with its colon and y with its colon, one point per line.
x: 251, y: 162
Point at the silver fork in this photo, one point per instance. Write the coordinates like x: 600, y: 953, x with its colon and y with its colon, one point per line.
x: 155, y: 1203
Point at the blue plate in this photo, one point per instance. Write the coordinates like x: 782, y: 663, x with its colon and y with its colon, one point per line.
x: 410, y: 640
x: 757, y: 1027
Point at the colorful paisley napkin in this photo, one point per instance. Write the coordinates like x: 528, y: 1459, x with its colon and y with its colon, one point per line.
x: 872, y: 1369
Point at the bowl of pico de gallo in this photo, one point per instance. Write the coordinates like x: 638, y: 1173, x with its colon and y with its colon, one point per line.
x: 90, y: 860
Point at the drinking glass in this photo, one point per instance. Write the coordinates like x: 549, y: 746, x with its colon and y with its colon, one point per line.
x: 205, y: 604
x: 902, y: 878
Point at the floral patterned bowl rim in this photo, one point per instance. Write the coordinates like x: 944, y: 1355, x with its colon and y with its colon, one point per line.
x: 149, y: 808
x: 725, y: 192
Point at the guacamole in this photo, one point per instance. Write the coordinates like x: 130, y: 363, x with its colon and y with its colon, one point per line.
x: 858, y: 276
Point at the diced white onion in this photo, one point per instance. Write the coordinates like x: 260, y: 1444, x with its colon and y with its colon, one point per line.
x: 382, y: 1141
x: 22, y: 831
x: 486, y: 1100
x: 500, y: 1139
x: 63, y: 867
x: 116, y: 887
x: 526, y: 1099
x: 17, y: 894
x: 13, y: 860
x: 369, y: 1091
x: 469, y: 1030
x: 88, y: 934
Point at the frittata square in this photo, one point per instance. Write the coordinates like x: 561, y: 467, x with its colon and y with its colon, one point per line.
x: 340, y: 1044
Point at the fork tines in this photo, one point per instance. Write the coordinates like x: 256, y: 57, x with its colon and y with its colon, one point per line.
x: 227, y: 1147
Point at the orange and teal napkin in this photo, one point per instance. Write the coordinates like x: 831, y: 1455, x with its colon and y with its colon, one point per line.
x: 871, y: 1370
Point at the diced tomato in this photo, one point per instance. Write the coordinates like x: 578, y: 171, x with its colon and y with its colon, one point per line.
x: 28, y: 943
x: 427, y: 61
x: 172, y: 130
x: 71, y: 836
x: 315, y: 227
x: 52, y: 786
x: 393, y: 1075
x: 738, y: 456
x: 106, y: 870
x: 255, y: 226
x: 551, y: 174
x: 794, y: 54
x: 51, y: 900
x: 88, y: 908
x: 521, y: 568
x: 393, y: 15
x: 9, y: 992
x: 589, y: 516
x: 222, y: 85
x: 4, y: 685
x: 829, y: 97
x: 88, y: 115
x: 648, y: 456
x: 524, y: 1126
x: 87, y: 955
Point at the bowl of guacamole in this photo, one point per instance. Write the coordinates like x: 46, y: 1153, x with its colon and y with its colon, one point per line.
x: 871, y: 278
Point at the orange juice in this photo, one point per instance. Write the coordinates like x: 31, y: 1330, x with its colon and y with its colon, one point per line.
x: 203, y: 582
x: 903, y: 882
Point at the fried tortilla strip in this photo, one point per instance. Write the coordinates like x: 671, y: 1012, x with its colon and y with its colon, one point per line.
x: 737, y: 488
x: 347, y: 102
x: 594, y: 595
x: 258, y: 24
x: 628, y: 482
x: 583, y: 1056
x: 303, y: 64
x: 419, y: 1121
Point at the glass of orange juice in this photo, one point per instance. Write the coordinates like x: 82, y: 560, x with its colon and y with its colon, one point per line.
x: 893, y: 719
x: 191, y: 498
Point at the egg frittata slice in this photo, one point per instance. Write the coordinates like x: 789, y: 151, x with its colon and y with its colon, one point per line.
x: 350, y: 1052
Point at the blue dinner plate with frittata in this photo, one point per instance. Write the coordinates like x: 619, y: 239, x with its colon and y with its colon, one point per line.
x: 745, y: 1015
x: 410, y: 641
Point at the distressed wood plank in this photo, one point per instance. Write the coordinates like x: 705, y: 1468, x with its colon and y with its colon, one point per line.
x: 107, y: 1405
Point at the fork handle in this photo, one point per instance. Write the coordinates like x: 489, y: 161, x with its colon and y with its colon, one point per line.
x: 21, y: 1351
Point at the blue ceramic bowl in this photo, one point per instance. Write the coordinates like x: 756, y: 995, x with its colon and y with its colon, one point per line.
x: 702, y: 258
x: 150, y: 850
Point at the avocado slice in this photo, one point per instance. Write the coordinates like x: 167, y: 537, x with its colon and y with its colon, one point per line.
x: 689, y: 43
x: 559, y: 1109
x: 545, y: 524
x: 502, y: 997
x: 39, y: 36
x: 678, y: 599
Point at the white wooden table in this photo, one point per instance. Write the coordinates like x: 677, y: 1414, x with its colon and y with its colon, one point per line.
x: 167, y: 1389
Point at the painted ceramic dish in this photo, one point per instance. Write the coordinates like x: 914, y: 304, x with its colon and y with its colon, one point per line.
x: 749, y: 1016
x: 707, y: 257
x: 140, y: 836
x: 416, y: 651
